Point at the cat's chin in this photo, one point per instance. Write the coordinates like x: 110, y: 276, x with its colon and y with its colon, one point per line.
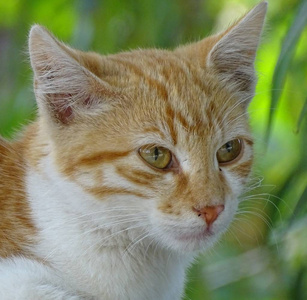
x: 184, y: 241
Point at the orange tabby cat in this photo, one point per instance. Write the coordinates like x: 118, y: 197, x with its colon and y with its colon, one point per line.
x: 133, y: 166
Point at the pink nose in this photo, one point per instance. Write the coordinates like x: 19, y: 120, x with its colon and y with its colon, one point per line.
x: 209, y: 213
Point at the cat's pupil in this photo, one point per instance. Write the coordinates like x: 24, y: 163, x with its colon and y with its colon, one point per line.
x: 229, y: 147
x: 156, y: 153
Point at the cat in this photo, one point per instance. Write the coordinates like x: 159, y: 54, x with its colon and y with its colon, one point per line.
x: 133, y: 166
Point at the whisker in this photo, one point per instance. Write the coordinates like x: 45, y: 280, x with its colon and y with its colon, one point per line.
x: 133, y: 244
x: 250, y: 224
x: 109, y: 225
x: 257, y: 215
x: 230, y: 230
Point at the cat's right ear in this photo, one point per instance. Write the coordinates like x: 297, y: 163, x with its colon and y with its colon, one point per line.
x: 64, y: 88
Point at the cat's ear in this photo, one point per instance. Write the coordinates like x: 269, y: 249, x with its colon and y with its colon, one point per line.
x: 231, y: 54
x: 64, y: 87
x: 234, y: 54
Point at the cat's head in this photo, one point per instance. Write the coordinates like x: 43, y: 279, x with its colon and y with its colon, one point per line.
x: 158, y: 135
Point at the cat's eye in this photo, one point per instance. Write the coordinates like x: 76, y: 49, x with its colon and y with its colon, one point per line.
x: 229, y: 151
x: 158, y: 157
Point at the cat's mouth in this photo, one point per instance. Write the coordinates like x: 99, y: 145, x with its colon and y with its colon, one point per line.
x: 195, y: 235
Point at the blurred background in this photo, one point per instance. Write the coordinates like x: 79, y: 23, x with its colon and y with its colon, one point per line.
x: 264, y: 254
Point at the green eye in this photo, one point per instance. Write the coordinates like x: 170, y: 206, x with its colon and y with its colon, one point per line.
x: 229, y: 151
x: 158, y: 157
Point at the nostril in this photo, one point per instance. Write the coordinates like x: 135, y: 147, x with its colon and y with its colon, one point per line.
x: 209, y: 213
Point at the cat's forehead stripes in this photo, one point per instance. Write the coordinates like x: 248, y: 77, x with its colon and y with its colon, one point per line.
x: 138, y: 71
x: 166, y: 79
x: 200, y: 107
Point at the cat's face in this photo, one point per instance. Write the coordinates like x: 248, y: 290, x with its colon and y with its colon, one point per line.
x: 156, y: 136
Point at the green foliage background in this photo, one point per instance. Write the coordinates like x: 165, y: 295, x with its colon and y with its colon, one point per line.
x: 264, y: 256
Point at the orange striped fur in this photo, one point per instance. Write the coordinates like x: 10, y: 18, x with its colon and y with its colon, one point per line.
x: 16, y: 227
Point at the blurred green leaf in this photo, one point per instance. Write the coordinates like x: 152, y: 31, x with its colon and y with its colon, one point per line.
x: 298, y: 291
x: 301, y: 117
x: 287, y: 51
x: 300, y: 207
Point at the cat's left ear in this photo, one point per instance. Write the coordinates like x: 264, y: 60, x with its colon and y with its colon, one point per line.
x: 231, y: 54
